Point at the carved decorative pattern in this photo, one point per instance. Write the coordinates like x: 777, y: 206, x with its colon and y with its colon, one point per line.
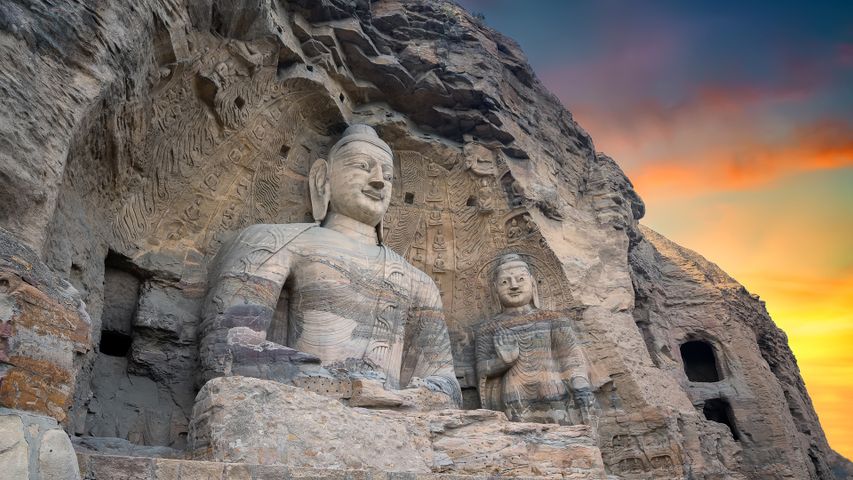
x: 229, y: 146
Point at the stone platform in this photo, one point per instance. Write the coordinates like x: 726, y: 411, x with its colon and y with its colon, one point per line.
x: 102, y: 467
x: 258, y: 422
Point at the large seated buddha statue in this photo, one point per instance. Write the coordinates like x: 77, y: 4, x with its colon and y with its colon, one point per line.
x: 320, y: 299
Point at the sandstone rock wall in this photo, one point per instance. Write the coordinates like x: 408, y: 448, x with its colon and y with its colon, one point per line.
x: 681, y: 297
x: 137, y: 136
x: 45, y: 334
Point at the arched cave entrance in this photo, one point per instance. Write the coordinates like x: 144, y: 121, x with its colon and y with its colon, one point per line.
x: 720, y: 411
x: 700, y: 362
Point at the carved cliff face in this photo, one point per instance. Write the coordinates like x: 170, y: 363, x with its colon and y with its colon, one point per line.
x: 514, y: 285
x: 206, y: 117
x: 360, y: 182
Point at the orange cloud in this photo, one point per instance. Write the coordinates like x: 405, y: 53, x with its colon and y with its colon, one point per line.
x: 743, y: 162
x: 717, y: 137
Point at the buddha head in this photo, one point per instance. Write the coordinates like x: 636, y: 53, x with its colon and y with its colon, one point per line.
x: 356, y: 179
x: 514, y: 283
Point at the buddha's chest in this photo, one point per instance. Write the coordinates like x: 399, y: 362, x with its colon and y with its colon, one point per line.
x: 534, y: 336
x: 349, y: 304
x: 367, y: 286
x: 369, y: 269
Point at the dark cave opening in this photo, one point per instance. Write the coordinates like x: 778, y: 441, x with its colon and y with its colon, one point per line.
x: 114, y: 344
x: 700, y: 363
x: 720, y: 411
x: 121, y: 294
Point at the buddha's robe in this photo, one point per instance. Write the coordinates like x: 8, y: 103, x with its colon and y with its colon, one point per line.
x: 360, y: 307
x: 549, y: 356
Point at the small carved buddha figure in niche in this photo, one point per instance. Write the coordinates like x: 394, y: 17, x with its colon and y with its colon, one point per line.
x: 484, y: 196
x: 438, y: 243
x: 434, y: 195
x: 282, y: 296
x: 514, y: 230
x: 433, y: 170
x: 435, y: 218
x: 529, y: 362
x: 438, y: 265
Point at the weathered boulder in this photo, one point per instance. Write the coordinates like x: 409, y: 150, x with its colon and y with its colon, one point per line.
x: 57, y: 460
x: 14, y: 454
x: 34, y: 447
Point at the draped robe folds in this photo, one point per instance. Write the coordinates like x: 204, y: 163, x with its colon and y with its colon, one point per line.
x: 549, y: 356
x: 360, y: 307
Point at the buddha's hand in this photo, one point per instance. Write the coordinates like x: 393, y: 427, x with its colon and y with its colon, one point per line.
x: 506, y: 345
x: 583, y: 392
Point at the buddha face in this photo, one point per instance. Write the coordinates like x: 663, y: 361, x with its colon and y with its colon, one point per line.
x: 360, y: 175
x: 514, y: 285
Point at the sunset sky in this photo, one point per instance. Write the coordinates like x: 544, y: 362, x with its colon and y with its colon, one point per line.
x: 734, y: 121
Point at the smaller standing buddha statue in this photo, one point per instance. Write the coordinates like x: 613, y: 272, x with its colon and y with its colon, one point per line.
x: 530, y: 364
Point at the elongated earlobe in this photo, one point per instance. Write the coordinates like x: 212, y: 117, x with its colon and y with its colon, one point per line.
x: 318, y: 186
x: 496, y: 298
x: 536, y: 302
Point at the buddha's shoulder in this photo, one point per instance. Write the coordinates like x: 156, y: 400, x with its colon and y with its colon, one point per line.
x: 400, y: 262
x: 272, y: 234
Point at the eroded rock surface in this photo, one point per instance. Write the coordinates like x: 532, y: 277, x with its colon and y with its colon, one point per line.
x: 137, y: 137
x: 247, y: 420
x: 44, y: 333
x: 733, y: 362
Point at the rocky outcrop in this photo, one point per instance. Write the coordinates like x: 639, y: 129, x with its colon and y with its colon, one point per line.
x: 685, y: 301
x: 44, y: 332
x: 247, y: 420
x: 137, y: 137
